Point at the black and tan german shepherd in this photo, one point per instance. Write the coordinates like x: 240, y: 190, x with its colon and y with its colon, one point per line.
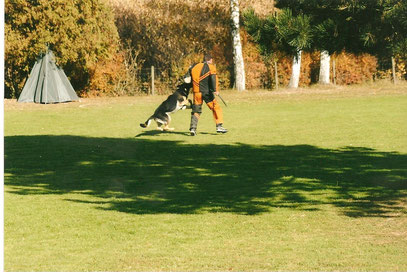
x: 175, y: 102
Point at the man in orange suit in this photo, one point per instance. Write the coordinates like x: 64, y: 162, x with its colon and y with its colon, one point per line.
x: 204, y: 87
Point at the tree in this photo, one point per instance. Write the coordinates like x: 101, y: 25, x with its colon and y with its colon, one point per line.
x: 282, y: 32
x: 237, y: 47
x: 378, y: 27
x: 393, y: 35
x: 327, y: 41
x: 339, y: 25
x: 294, y: 34
x: 262, y: 31
x: 263, y: 34
x: 324, y: 21
x: 80, y: 32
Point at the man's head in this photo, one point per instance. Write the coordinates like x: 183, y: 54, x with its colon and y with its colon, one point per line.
x: 208, y: 58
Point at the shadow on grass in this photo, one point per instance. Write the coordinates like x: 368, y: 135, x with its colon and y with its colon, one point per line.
x: 158, y: 133
x: 148, y: 177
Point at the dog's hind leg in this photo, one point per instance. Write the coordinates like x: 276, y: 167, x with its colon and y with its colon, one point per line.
x: 167, y: 125
x: 147, y: 123
x: 160, y: 124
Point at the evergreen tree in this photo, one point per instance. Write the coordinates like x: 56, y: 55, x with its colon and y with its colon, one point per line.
x: 325, y: 22
x: 295, y: 33
x: 262, y: 31
x: 378, y: 27
x: 393, y: 34
x: 284, y: 32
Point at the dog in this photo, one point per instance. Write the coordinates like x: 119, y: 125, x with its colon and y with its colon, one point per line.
x: 175, y: 102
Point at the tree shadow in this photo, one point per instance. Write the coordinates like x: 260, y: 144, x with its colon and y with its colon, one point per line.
x: 149, y: 177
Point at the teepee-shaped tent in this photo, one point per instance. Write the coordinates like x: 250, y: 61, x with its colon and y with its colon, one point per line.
x: 47, y: 83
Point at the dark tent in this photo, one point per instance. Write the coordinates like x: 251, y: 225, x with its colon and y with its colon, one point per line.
x: 47, y: 83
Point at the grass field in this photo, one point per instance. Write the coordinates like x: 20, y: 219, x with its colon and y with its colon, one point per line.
x: 313, y: 179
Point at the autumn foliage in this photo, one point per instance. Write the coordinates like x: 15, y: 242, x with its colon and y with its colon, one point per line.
x: 82, y: 34
x: 107, y: 47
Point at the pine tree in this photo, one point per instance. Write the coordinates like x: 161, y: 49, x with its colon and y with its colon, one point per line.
x: 393, y: 35
x: 327, y: 41
x: 294, y: 34
x: 283, y: 32
x: 324, y: 21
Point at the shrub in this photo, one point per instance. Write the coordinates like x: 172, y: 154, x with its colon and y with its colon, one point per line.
x: 171, y: 35
x: 81, y: 33
x: 351, y: 69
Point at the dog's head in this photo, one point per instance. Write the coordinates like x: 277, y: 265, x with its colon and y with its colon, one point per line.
x: 184, y: 88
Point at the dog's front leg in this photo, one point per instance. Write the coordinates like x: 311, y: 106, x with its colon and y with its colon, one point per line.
x: 186, y: 103
x: 182, y: 104
x: 189, y: 105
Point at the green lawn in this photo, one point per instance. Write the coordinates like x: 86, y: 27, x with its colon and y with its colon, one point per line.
x: 313, y: 179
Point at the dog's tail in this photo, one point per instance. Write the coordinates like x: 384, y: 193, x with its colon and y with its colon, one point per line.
x: 147, y: 123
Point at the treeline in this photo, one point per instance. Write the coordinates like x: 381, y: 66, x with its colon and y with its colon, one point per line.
x: 377, y: 27
x: 108, y: 47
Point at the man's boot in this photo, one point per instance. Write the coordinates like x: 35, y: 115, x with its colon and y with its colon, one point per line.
x: 220, y: 128
x: 194, y: 124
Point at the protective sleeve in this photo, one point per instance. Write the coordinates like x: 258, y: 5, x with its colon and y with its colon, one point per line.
x: 188, y: 77
x: 213, y: 79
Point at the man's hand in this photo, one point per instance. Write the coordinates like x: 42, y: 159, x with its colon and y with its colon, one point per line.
x: 216, y: 93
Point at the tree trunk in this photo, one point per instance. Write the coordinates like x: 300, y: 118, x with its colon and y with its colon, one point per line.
x: 393, y: 69
x: 295, y: 74
x: 324, y: 69
x: 276, y: 74
x: 240, y: 81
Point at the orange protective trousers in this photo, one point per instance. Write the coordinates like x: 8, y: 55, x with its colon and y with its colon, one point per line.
x: 213, y: 106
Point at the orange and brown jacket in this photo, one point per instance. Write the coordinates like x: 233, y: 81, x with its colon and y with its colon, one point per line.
x: 204, y: 78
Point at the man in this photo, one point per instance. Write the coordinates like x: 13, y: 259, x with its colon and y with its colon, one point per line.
x: 204, y: 86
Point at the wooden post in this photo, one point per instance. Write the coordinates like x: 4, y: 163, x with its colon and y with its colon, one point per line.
x: 334, y: 70
x: 276, y: 74
x: 393, y: 69
x: 152, y: 80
